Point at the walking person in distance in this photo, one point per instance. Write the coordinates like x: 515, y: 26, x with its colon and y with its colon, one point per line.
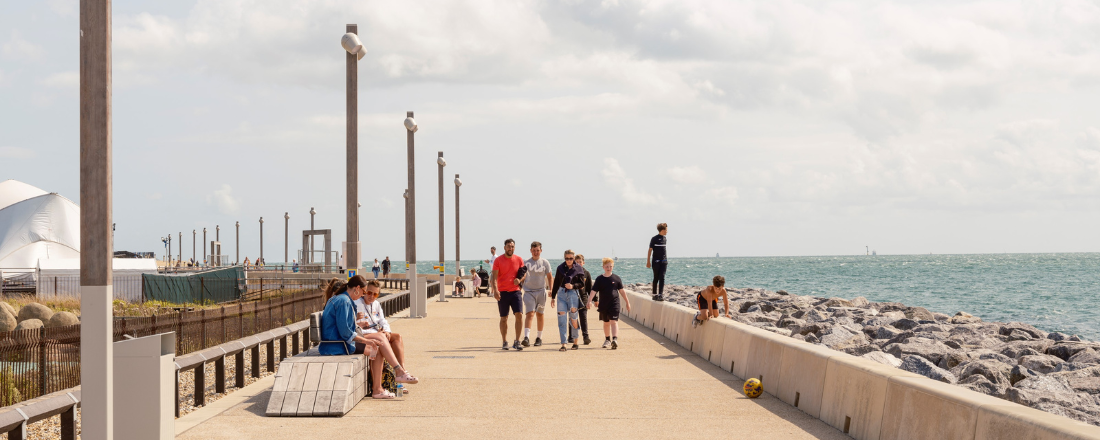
x: 534, y: 292
x: 503, y: 285
x: 657, y: 258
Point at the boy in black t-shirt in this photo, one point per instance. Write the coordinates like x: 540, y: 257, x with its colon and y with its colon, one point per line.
x: 659, y: 261
x: 609, y: 287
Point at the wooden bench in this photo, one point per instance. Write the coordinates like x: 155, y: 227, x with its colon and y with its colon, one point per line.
x: 311, y: 384
x: 15, y: 418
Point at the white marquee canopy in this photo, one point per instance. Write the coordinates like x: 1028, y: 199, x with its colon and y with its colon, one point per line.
x: 36, y: 225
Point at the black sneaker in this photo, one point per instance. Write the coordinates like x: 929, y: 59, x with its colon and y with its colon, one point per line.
x: 614, y: 344
x: 538, y: 342
x: 526, y: 342
x: 587, y: 340
x: 655, y: 298
x: 505, y: 347
x: 575, y: 346
x: 660, y: 298
x: 516, y: 346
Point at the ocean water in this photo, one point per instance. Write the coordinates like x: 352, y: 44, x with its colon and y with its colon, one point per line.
x: 1055, y: 292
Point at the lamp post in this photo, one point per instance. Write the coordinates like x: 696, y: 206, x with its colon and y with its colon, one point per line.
x: 193, y: 235
x: 112, y: 240
x: 179, y: 246
x: 204, y: 245
x: 286, y: 237
x: 419, y: 299
x: 355, y: 51
x: 442, y: 163
x: 164, y: 242
x: 458, y: 259
x: 238, y: 252
x: 217, y: 238
x: 167, y: 252
x: 406, y: 197
x: 312, y: 212
x: 261, y: 238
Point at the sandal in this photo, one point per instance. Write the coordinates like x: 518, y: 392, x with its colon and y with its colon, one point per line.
x: 384, y: 395
x: 407, y: 378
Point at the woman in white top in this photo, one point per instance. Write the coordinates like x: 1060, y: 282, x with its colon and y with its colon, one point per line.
x: 375, y: 268
x: 372, y: 320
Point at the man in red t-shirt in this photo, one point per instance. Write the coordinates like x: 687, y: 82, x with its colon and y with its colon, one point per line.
x: 505, y: 288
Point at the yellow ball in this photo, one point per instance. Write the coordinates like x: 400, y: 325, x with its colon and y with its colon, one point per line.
x: 753, y: 388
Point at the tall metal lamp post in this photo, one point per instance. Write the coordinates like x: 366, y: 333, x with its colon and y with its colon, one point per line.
x: 312, y: 212
x: 458, y: 259
x: 419, y: 299
x: 238, y: 252
x: 204, y: 246
x: 217, y: 238
x: 261, y: 238
x: 168, y: 252
x: 355, y: 51
x: 179, y: 246
x: 286, y: 237
x: 194, y: 234
x: 442, y: 163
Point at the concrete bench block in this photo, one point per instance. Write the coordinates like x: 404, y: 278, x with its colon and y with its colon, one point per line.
x: 803, y: 373
x: 855, y: 395
x: 1007, y: 421
x: 765, y: 359
x: 919, y: 408
x: 312, y: 385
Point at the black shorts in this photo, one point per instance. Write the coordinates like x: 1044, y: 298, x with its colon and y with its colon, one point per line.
x: 608, y: 316
x: 703, y: 304
x: 510, y: 300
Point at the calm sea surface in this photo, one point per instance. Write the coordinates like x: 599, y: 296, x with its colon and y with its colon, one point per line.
x: 1055, y: 292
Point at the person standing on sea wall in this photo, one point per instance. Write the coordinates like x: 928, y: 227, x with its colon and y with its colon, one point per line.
x: 659, y: 261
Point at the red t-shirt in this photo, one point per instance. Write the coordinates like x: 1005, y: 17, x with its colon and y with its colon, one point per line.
x: 506, y: 272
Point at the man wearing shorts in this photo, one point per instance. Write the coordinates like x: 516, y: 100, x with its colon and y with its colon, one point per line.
x: 502, y: 282
x: 534, y: 292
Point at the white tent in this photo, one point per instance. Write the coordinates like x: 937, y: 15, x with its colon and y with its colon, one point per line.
x: 35, y: 225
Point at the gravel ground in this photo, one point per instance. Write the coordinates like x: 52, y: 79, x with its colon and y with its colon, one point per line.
x: 50, y: 428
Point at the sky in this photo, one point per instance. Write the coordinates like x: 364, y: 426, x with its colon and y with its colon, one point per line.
x: 752, y: 128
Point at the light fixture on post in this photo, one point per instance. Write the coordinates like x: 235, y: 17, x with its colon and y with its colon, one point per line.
x: 418, y: 298
x: 353, y: 258
x: 458, y: 259
x: 238, y: 255
x: 261, y: 238
x: 286, y: 237
x: 309, y: 257
x: 442, y: 163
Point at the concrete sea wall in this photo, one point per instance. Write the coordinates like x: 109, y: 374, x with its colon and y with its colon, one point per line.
x: 861, y: 397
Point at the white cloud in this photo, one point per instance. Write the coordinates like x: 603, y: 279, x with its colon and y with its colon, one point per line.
x: 725, y: 194
x: 18, y: 48
x: 687, y: 175
x: 224, y: 200
x: 615, y: 176
x: 16, y: 153
x: 68, y: 80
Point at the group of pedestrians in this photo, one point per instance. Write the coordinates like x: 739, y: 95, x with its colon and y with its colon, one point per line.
x: 521, y: 287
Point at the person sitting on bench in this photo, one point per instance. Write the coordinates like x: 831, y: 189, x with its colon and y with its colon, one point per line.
x: 339, y: 335
x: 373, y: 324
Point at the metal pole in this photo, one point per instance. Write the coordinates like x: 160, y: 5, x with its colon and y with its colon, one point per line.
x: 419, y: 297
x: 261, y: 238
x: 204, y: 245
x: 286, y: 238
x: 442, y: 277
x: 351, y: 256
x: 96, y: 291
x: 179, y: 257
x: 238, y: 252
x: 169, y: 253
x: 458, y: 259
x: 312, y: 212
x: 194, y: 234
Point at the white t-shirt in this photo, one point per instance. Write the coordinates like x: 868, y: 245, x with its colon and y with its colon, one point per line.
x: 536, y: 274
x: 375, y: 316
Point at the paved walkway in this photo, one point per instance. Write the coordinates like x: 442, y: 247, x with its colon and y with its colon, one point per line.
x: 470, y: 388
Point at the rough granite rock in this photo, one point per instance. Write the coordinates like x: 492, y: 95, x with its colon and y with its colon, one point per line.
x: 1033, y: 332
x: 905, y: 324
x: 1087, y: 356
x: 996, y: 371
x: 1043, y: 363
x: 840, y: 338
x: 964, y: 318
x: 924, y: 367
x: 1056, y: 336
x: 811, y: 338
x: 952, y: 359
x: 997, y: 357
x: 883, y: 358
x: 923, y: 347
x: 919, y: 314
x: 1019, y: 373
x: 35, y: 311
x: 941, y: 317
x: 1066, y: 350
x: 887, y: 332
x: 1050, y: 389
x: 860, y: 350
x: 982, y: 385
x: 11, y: 309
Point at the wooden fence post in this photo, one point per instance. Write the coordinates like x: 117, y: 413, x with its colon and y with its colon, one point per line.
x: 202, y: 329
x: 255, y: 360
x: 200, y: 385
x: 239, y: 357
x: 219, y: 375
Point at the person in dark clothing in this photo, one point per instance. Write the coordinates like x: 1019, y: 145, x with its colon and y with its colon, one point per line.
x: 567, y: 283
x: 585, y: 292
x: 386, y: 267
x: 657, y: 259
x: 609, y: 289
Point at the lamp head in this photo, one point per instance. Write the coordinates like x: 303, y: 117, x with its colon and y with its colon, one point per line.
x: 286, y: 216
x: 410, y: 124
x: 458, y: 182
x: 406, y: 195
x: 441, y: 161
x: 261, y: 220
x: 351, y: 43
x: 238, y: 224
x: 312, y: 211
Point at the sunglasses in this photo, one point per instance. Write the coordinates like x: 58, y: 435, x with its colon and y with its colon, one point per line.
x: 568, y: 259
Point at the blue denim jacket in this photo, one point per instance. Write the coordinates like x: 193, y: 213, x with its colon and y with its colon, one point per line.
x: 338, y: 324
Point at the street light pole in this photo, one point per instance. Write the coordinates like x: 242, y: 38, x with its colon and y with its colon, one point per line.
x: 352, y: 257
x: 204, y: 245
x: 217, y: 238
x: 238, y: 252
x: 179, y: 246
x: 96, y: 291
x: 312, y: 212
x: 419, y: 299
x: 286, y: 237
x: 193, y: 235
x: 458, y: 259
x: 442, y: 163
x: 261, y: 238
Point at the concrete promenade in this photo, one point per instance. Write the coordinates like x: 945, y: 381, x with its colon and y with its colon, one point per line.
x: 470, y: 388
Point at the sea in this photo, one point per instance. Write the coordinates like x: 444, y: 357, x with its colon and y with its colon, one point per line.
x: 1054, y: 292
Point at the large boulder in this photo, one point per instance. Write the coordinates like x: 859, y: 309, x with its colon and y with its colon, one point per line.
x: 1042, y: 363
x: 996, y: 371
x: 1048, y: 389
x: 1019, y: 373
x: 923, y: 347
x: 1088, y: 356
x: 860, y: 302
x: 1031, y: 331
x: 29, y: 324
x: 952, y: 359
x: 887, y: 332
x: 840, y: 338
x: 9, y: 308
x: 7, y: 321
x: 1065, y: 350
x: 964, y: 318
x: 982, y: 385
x: 837, y: 302
x: 1016, y: 349
x: 905, y: 324
x: 883, y: 358
x: 62, y: 319
x: 924, y: 367
x: 919, y: 314
x: 35, y: 311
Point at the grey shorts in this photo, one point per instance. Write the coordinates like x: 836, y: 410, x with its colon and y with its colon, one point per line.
x: 534, y: 301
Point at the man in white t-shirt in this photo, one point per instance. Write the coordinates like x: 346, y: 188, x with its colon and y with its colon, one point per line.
x: 492, y: 256
x: 538, y: 279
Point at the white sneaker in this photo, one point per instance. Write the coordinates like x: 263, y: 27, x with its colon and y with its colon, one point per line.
x: 606, y: 344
